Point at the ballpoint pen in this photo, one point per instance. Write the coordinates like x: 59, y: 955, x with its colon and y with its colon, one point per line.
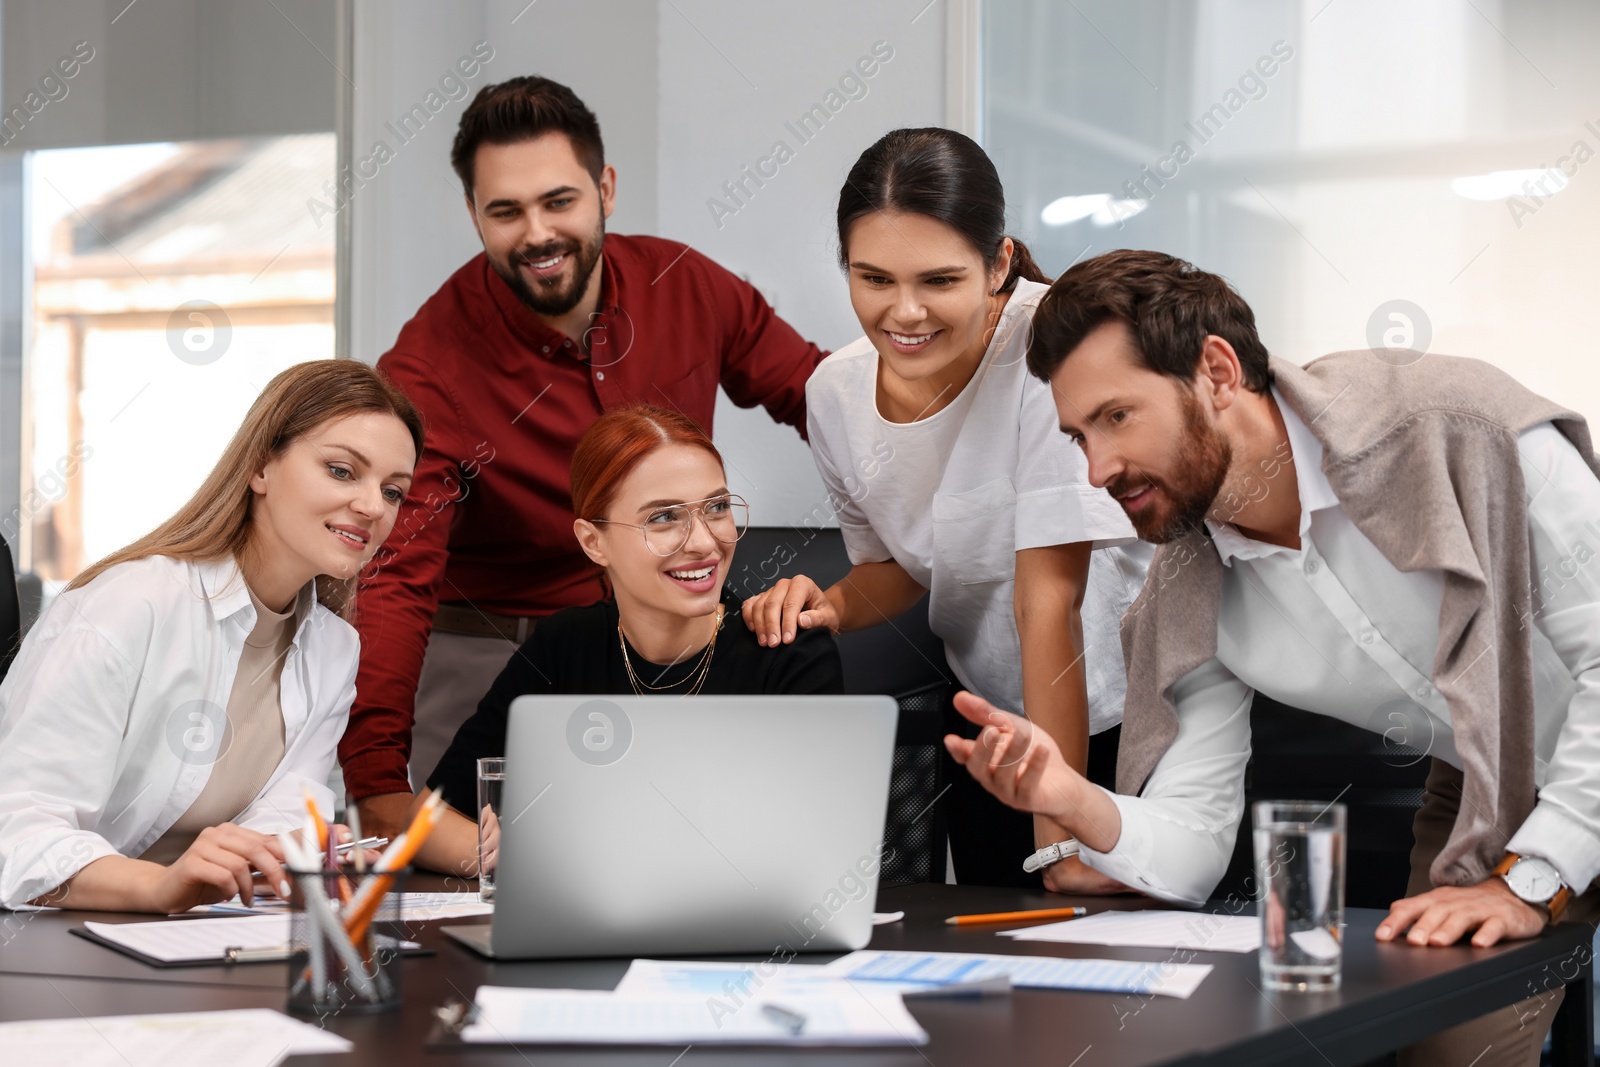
x: 235, y: 954
x: 788, y: 1018
x: 364, y: 843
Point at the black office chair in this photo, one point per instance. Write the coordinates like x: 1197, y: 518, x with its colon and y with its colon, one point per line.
x: 10, y: 610
x: 1297, y: 755
x: 914, y: 829
x: 903, y: 659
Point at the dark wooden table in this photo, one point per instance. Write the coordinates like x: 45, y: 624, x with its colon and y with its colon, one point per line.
x: 1391, y: 995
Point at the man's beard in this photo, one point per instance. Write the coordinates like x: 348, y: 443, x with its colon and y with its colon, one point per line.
x: 1202, y: 469
x: 560, y: 294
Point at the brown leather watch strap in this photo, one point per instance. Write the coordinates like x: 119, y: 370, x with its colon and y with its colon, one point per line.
x: 1556, y: 905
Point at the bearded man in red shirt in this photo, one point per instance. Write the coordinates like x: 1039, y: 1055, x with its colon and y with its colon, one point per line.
x: 509, y: 363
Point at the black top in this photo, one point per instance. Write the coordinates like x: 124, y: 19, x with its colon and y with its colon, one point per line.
x: 576, y: 651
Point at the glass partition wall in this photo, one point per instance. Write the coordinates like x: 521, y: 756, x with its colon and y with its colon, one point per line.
x: 1366, y: 173
x: 167, y: 227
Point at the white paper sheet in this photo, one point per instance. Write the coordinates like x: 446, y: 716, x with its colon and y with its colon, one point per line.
x: 186, y: 940
x: 253, y: 1037
x: 596, y: 1017
x: 418, y: 907
x: 1151, y: 929
x: 788, y: 980
x: 423, y: 907
x: 720, y: 979
x: 933, y: 969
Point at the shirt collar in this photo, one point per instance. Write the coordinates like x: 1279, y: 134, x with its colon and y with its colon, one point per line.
x: 222, y: 584
x: 1316, y: 494
x: 532, y: 330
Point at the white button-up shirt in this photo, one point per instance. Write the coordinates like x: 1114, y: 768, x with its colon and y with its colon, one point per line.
x: 114, y: 712
x: 1335, y: 628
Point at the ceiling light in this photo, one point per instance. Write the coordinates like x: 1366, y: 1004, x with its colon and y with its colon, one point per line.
x: 1068, y: 209
x: 1115, y: 211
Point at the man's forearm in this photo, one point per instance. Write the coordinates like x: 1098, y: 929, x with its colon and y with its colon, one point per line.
x: 385, y: 815
x: 1088, y: 814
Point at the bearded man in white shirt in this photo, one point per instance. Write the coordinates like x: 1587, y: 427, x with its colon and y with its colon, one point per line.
x: 1370, y: 532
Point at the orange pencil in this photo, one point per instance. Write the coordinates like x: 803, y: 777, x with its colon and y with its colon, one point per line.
x: 1041, y: 915
x: 316, y: 818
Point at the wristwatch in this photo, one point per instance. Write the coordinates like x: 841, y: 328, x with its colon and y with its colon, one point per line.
x: 1537, y: 882
x: 1050, y: 854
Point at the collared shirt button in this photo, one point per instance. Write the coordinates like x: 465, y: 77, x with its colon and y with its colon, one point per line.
x: 599, y: 375
x: 567, y: 343
x: 546, y: 349
x: 1366, y: 637
x: 1311, y: 566
x: 1424, y: 691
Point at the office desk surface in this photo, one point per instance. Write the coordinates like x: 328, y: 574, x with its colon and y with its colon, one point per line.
x: 1391, y: 994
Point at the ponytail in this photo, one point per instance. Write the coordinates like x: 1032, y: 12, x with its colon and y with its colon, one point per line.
x: 1023, y: 266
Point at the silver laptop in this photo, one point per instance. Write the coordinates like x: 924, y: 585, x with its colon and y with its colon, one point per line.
x: 654, y: 826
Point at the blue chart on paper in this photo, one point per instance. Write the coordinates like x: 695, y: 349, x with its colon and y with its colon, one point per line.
x: 1035, y: 972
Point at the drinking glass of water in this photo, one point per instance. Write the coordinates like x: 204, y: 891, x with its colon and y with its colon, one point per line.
x: 491, y: 787
x: 1299, y: 849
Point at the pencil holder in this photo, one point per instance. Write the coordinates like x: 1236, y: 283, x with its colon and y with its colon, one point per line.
x: 346, y: 936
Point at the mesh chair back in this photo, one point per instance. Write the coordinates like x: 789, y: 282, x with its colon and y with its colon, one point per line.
x: 914, y: 831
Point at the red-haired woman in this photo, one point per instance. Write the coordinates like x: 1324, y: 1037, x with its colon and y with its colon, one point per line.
x: 653, y: 509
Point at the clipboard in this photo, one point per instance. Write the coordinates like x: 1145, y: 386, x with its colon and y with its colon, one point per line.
x: 231, y: 956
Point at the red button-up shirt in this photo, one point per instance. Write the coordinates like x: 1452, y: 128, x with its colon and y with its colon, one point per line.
x: 504, y: 399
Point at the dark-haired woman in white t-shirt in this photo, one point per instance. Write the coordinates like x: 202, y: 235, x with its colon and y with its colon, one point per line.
x: 948, y: 476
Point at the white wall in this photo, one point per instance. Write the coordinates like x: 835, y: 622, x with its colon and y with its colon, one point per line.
x: 167, y: 70
x: 410, y: 227
x: 687, y: 92
x: 724, y: 104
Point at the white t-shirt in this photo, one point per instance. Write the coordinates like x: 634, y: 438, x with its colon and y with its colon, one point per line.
x: 953, y: 497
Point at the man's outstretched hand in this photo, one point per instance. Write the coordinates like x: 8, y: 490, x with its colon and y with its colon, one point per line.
x: 1020, y: 764
x: 1013, y: 759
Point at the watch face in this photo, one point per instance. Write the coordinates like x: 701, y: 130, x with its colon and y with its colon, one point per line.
x: 1533, y: 880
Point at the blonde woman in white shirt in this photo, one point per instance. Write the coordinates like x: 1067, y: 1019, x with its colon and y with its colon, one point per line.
x: 948, y: 475
x: 167, y: 714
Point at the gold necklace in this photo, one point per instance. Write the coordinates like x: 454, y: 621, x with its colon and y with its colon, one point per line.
x: 699, y: 673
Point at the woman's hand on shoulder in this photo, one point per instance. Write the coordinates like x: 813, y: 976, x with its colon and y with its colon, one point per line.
x: 777, y: 614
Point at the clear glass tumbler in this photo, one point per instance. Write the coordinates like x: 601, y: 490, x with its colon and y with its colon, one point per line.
x: 491, y: 787
x: 1300, y: 849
